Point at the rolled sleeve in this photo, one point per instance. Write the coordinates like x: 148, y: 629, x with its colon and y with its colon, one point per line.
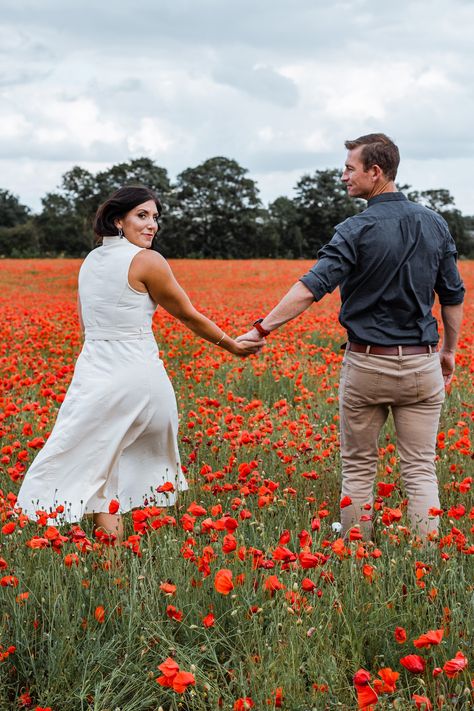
x: 449, y: 285
x: 335, y: 261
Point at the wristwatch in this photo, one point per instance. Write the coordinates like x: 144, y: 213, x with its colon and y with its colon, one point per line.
x: 262, y: 331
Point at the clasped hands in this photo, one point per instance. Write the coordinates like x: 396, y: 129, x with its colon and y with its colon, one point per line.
x: 250, y: 343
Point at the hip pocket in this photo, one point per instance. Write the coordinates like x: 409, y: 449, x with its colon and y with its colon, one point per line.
x: 358, y: 384
x: 430, y: 384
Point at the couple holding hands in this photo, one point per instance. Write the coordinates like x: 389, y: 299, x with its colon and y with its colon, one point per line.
x: 115, y: 436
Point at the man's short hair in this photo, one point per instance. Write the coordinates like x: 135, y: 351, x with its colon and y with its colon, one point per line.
x: 377, y: 149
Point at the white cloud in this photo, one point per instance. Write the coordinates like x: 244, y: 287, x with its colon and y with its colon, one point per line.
x: 277, y: 86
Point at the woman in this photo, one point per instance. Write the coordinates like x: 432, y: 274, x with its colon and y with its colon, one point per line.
x: 115, y: 436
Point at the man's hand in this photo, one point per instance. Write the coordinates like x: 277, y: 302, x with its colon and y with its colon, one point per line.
x: 247, y: 346
x: 447, y: 360
x: 252, y: 335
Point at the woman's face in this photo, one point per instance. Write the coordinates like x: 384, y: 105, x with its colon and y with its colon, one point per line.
x: 140, y: 224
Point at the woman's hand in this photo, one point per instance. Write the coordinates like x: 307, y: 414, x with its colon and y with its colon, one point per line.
x: 244, y: 348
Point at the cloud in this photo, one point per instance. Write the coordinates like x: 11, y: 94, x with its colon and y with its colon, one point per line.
x: 278, y: 86
x: 261, y: 82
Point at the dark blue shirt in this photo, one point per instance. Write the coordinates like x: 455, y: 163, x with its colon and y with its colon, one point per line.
x: 389, y: 261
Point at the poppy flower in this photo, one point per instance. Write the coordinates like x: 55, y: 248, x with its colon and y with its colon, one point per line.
x: 114, y: 506
x: 243, y: 704
x: 165, y: 488
x: 8, y: 528
x: 400, y: 635
x: 71, y: 559
x: 413, y: 663
x: 422, y: 702
x: 168, y: 588
x: 99, y: 614
x: 366, y: 695
x: 173, y: 613
x: 223, y: 581
x: 208, y: 620
x: 272, y: 583
x: 456, y: 665
x: 386, y: 683
x: 196, y: 510
x: 182, y: 680
x: 428, y: 639
x: 169, y: 667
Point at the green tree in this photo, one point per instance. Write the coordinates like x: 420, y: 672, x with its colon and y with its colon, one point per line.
x: 20, y: 241
x: 322, y: 203
x: 214, y: 212
x: 12, y: 212
x: 61, y: 228
x: 65, y: 223
x: 283, y: 220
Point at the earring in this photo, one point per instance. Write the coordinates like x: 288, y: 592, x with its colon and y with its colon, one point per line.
x: 120, y: 233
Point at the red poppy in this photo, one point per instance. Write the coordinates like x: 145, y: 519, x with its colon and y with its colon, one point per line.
x: 428, y: 639
x: 182, y: 680
x: 196, y: 510
x: 168, y: 588
x: 386, y: 683
x: 223, y: 581
x: 366, y: 696
x: 243, y: 704
x: 456, y: 665
x: 272, y: 583
x: 400, y: 635
x: 413, y: 663
x: 422, y: 702
x: 169, y: 667
x: 99, y: 614
x: 208, y: 620
x: 173, y: 613
x: 8, y: 528
x: 164, y: 488
x: 114, y: 506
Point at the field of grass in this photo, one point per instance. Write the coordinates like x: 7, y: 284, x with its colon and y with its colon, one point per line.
x: 242, y: 596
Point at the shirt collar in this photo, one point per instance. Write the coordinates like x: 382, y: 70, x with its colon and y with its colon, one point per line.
x: 111, y: 239
x: 386, y: 197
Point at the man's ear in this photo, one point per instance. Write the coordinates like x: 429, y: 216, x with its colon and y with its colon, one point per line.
x: 377, y: 172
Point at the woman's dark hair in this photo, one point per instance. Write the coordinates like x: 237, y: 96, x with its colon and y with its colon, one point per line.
x: 118, y: 204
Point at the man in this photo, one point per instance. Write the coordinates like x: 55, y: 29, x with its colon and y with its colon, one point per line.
x: 388, y: 261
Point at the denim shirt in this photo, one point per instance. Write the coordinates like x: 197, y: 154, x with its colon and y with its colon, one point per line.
x: 389, y: 261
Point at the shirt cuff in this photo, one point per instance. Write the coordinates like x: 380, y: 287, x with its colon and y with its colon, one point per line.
x: 314, y: 285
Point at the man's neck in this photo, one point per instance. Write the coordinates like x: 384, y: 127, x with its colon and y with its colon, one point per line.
x: 382, y: 187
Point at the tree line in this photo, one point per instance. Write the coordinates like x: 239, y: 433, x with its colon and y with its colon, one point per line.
x: 210, y: 211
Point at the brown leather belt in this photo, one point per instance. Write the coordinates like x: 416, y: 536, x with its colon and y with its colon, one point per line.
x: 389, y: 350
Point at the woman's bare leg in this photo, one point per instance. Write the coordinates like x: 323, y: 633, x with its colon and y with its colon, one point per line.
x: 110, y: 523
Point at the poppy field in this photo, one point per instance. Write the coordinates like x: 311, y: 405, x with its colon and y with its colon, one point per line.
x: 243, y: 595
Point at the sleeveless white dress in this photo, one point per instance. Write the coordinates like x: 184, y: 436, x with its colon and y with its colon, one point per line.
x: 115, y: 435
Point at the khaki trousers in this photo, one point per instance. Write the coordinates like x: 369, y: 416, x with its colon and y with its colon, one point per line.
x: 412, y: 387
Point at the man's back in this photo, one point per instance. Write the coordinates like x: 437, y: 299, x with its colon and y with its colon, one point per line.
x: 388, y: 261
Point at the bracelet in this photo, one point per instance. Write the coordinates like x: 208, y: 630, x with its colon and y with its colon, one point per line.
x: 258, y: 325
x: 221, y: 339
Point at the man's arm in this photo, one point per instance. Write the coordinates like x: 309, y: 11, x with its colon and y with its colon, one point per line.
x: 295, y: 301
x: 452, y: 320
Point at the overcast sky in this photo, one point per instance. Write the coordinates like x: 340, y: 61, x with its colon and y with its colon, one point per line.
x: 277, y: 85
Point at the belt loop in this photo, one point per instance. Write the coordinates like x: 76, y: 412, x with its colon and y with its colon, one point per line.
x: 367, y: 350
x: 430, y: 349
x: 400, y: 352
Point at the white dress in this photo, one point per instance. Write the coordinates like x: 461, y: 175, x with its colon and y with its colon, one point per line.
x: 115, y: 435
